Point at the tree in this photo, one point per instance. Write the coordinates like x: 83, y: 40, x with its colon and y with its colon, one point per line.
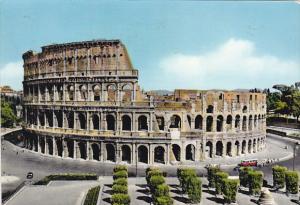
x: 243, y: 176
x: 219, y: 181
x: 194, y: 189
x: 8, y: 118
x: 279, y: 176
x: 211, y: 172
x: 229, y: 190
x: 255, y: 182
x: 292, y: 182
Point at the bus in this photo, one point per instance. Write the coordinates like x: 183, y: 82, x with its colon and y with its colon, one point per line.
x: 248, y: 163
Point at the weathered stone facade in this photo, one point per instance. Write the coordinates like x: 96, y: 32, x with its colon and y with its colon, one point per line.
x: 82, y: 100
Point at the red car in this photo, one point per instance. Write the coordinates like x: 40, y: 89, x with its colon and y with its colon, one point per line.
x: 248, y: 163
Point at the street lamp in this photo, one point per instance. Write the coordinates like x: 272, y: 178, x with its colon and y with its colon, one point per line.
x: 296, y: 145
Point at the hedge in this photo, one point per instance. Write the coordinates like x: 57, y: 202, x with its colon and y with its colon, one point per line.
x: 120, y: 181
x: 229, y: 190
x: 185, y: 174
x: 161, y: 190
x: 279, y: 176
x: 92, y: 196
x: 120, y: 168
x: 211, y: 172
x: 120, y: 174
x: 67, y: 176
x: 292, y: 182
x: 120, y: 199
x: 155, y: 181
x: 243, y: 176
x: 194, y: 189
x: 119, y: 189
x: 219, y: 181
x: 255, y: 182
x: 163, y: 200
x: 151, y: 173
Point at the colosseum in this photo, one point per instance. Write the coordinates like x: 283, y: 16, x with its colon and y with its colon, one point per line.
x: 82, y: 101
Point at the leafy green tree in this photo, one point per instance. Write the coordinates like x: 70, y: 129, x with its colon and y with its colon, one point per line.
x: 211, y: 173
x: 243, y: 176
x: 292, y: 182
x: 194, y: 189
x: 279, y: 176
x: 8, y: 118
x: 229, y: 190
x: 163, y: 200
x: 255, y: 182
x: 219, y: 181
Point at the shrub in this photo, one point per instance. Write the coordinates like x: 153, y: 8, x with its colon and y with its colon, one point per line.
x: 219, y: 181
x: 194, y: 189
x: 163, y: 200
x: 120, y: 174
x: 92, y: 196
x: 155, y: 181
x: 243, y: 176
x: 67, y: 176
x: 120, y: 199
x: 154, y: 172
x: 279, y: 176
x: 211, y: 172
x: 292, y: 182
x: 120, y: 168
x: 161, y: 190
x: 229, y: 190
x: 184, y: 175
x: 120, y: 181
x: 255, y: 182
x: 119, y: 189
x: 151, y: 169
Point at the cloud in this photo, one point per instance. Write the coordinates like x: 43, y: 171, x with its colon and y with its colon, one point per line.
x: 234, y: 64
x: 12, y: 74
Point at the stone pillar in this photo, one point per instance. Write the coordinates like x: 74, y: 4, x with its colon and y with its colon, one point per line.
x: 88, y: 151
x: 88, y: 121
x: 167, y: 154
x: 74, y: 149
x: 102, y: 147
x: 134, y: 123
x: 46, y: 147
x: 38, y: 144
x: 214, y: 149
x: 75, y: 121
x: 134, y: 154
x: 104, y: 124
x: 151, y: 154
x: 214, y: 123
x: 204, y: 123
x: 134, y: 92
x: 150, y: 122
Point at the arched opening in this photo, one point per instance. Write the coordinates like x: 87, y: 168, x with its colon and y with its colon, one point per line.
x: 160, y: 122
x: 83, y: 92
x: 49, y: 116
x: 245, y: 109
x: 96, y: 122
x: 220, y: 123
x: 209, y: 123
x: 249, y: 146
x: 126, y: 154
x: 82, y: 121
x: 126, y: 123
x: 237, y: 148
x: 244, y: 147
x: 219, y: 148
x: 209, y: 149
x: 142, y: 123
x: 41, y: 119
x: 255, y: 121
x: 58, y: 115
x: 229, y: 149
x: 82, y: 149
x: 42, y: 144
x: 190, y: 152
x: 126, y: 93
x: 258, y: 144
x: 229, y: 122
x: 110, y: 153
x: 110, y: 120
x: 254, y: 146
x: 176, y: 151
x: 189, y: 120
x: 159, y: 155
x: 175, y: 122
x: 97, y: 90
x: 199, y: 122
x: 237, y: 122
x: 210, y: 109
x: 71, y: 92
x: 59, y: 147
x: 111, y: 92
x: 250, y: 122
x: 244, y: 126
x: 70, y: 120
x: 70, y: 146
x: 143, y: 154
x: 50, y: 146
x: 96, y: 151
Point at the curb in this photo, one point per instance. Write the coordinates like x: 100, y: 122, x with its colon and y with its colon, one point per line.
x: 14, y: 195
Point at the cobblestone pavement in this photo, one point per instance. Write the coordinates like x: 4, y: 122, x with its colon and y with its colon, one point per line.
x: 73, y: 192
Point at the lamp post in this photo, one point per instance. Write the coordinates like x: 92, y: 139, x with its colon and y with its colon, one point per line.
x: 296, y: 145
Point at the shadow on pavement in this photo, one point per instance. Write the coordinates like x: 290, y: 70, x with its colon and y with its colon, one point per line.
x: 181, y: 199
x: 107, y: 199
x: 215, y: 199
x: 147, y: 199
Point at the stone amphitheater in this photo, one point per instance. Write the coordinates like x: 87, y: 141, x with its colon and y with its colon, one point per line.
x: 82, y: 101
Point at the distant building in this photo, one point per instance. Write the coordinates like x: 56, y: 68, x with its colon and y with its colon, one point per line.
x: 14, y: 97
x: 82, y: 100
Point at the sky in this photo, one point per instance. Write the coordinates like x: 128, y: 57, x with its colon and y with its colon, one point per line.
x: 174, y: 44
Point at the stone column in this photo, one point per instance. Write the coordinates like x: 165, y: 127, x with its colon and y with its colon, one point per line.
x: 214, y: 149
x: 38, y: 144
x: 74, y: 149
x: 134, y: 154
x: 204, y: 123
x: 88, y: 151
x: 150, y: 155
x: 102, y: 147
x: 54, y: 146
x: 167, y: 154
x: 150, y: 122
x: 75, y: 121
x: 46, y: 147
x: 88, y: 121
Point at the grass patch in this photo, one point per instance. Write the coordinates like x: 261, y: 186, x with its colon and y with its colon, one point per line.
x: 68, y: 176
x: 92, y: 196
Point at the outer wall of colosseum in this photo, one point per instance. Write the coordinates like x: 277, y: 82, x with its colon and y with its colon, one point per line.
x: 82, y: 100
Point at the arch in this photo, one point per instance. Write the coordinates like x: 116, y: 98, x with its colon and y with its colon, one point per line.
x: 70, y: 120
x: 254, y: 146
x: 41, y: 119
x: 82, y: 150
x: 175, y: 122
x: 142, y: 123
x: 159, y: 155
x: 83, y: 92
x: 110, y: 152
x: 190, y: 152
x: 161, y: 122
x: 229, y: 149
x: 59, y: 146
x: 58, y: 116
x: 255, y: 121
x: 229, y: 122
x: 70, y: 92
x: 210, y: 109
x: 244, y: 147
x: 237, y: 148
x: 199, y: 122
x: 110, y: 122
x: 249, y: 146
x: 111, y: 92
x: 143, y: 154
x: 237, y: 122
x: 176, y: 151
x: 70, y: 146
x: 96, y: 122
x: 126, y: 89
x: 96, y: 90
x: 49, y: 116
x: 209, y: 123
x: 219, y: 148
x: 244, y: 109
x: 244, y: 124
x: 220, y: 120
x: 126, y: 153
x: 126, y: 123
x: 96, y: 151
x: 82, y: 121
x: 49, y: 146
x: 250, y: 122
x: 209, y: 149
x: 258, y: 144
x: 42, y: 144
